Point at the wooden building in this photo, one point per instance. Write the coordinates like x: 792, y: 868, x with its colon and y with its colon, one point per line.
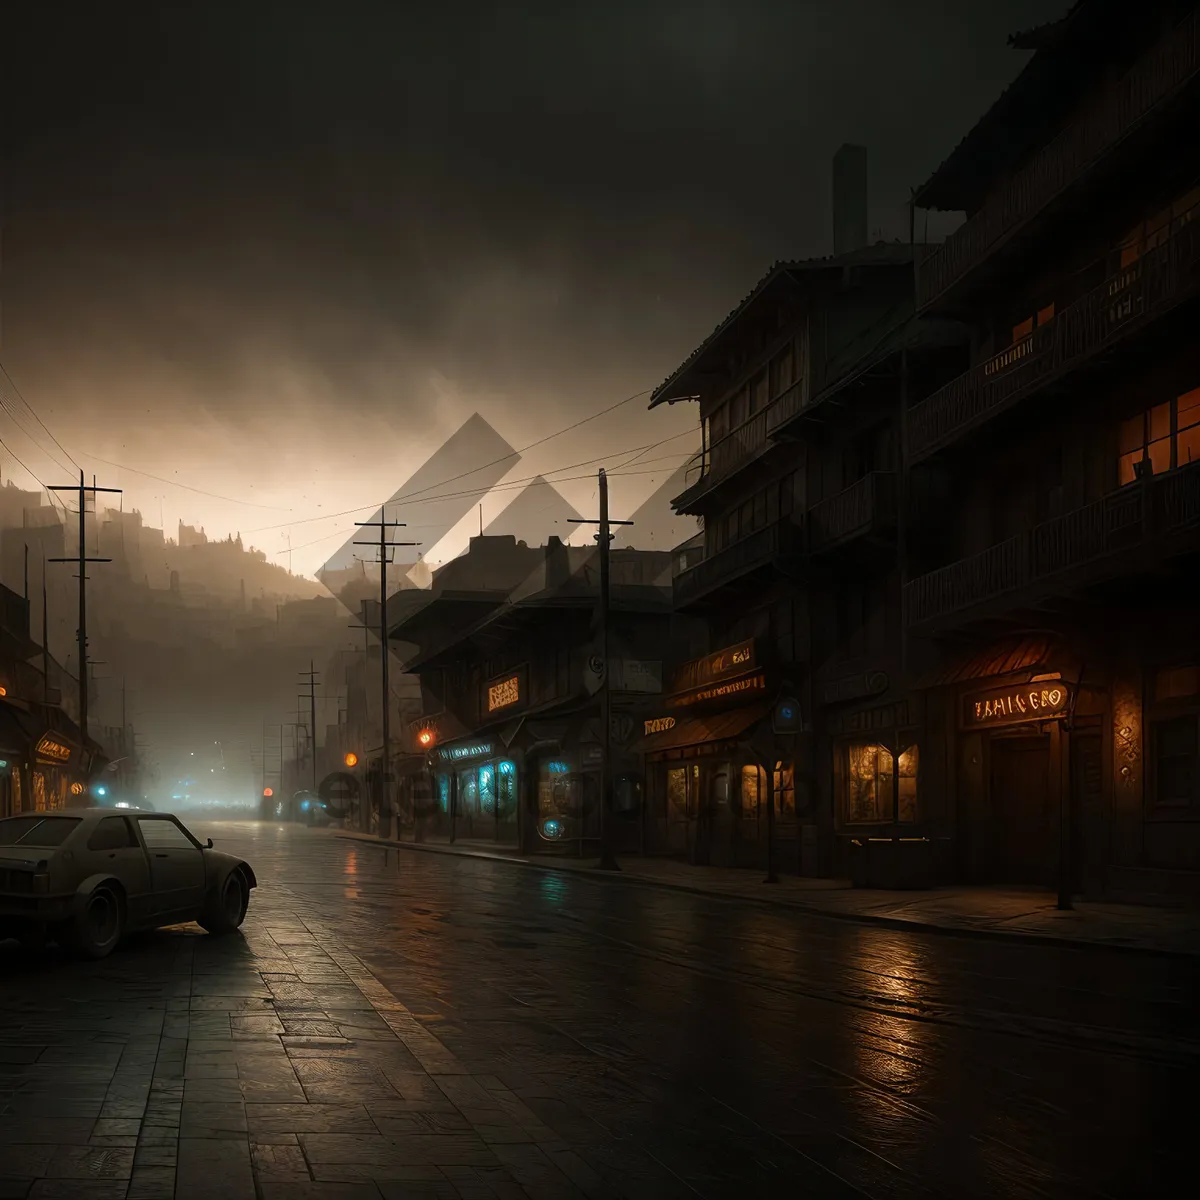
x: 510, y: 731
x: 799, y: 398
x: 1054, y: 484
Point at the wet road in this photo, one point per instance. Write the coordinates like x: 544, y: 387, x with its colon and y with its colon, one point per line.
x: 414, y: 1025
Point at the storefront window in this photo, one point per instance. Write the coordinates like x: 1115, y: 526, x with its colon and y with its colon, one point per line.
x: 443, y: 791
x: 39, y: 791
x: 785, y: 789
x: 754, y: 789
x: 487, y: 790
x: 677, y: 794
x: 869, y: 795
x: 506, y: 790
x: 468, y: 792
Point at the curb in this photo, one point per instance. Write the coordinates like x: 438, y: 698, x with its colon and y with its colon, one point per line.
x: 902, y: 923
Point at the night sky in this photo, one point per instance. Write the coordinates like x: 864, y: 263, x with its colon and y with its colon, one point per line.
x: 280, y: 252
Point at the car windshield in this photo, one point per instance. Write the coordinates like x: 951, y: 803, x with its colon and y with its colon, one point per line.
x: 42, y: 832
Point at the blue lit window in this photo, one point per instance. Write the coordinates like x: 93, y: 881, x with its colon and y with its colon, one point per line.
x: 443, y: 792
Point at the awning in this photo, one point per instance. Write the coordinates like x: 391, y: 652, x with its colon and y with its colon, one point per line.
x: 1005, y: 658
x: 695, y: 731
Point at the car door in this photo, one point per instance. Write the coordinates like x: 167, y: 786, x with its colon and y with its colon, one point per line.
x: 114, y: 847
x: 176, y: 868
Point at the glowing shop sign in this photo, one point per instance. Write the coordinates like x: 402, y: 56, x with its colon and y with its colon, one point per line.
x: 505, y: 693
x: 52, y: 749
x: 720, y: 691
x: 472, y: 750
x: 659, y: 725
x: 1018, y: 704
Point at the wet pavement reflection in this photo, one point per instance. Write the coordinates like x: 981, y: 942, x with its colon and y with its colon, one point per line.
x: 396, y: 1024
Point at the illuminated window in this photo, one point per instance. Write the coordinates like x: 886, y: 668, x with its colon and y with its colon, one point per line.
x: 1164, y: 436
x: 753, y: 791
x: 785, y: 789
x: 39, y: 791
x: 506, y: 791
x: 1022, y: 330
x: 443, y: 792
x: 487, y: 790
x: 869, y: 787
x: 1187, y: 424
x: 1045, y: 314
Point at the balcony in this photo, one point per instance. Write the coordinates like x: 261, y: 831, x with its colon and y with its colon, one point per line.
x: 1115, y: 114
x: 1080, y: 547
x: 1163, y: 278
x: 752, y: 553
x: 863, y: 508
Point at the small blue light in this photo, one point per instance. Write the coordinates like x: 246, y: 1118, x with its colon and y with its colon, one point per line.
x: 558, y: 768
x: 102, y: 791
x: 552, y: 830
x: 506, y: 768
x: 788, y: 713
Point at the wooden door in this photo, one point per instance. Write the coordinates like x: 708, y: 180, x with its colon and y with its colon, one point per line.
x: 1022, y: 808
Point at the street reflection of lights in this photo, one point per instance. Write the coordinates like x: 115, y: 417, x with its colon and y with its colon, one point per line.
x: 351, y: 863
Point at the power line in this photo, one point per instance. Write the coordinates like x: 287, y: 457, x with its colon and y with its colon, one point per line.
x: 33, y: 413
x: 479, y: 491
x: 186, y: 487
x: 568, y: 479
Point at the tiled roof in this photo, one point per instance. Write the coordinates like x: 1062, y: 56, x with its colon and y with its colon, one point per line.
x: 881, y: 254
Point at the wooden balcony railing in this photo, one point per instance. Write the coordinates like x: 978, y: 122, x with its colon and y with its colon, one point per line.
x: 756, y: 550
x: 858, y: 510
x: 742, y: 445
x: 1158, y: 281
x: 1095, y: 536
x: 1116, y: 112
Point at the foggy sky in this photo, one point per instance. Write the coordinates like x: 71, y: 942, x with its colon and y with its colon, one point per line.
x: 280, y: 252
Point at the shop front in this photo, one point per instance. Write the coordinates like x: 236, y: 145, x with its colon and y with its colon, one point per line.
x: 1013, y: 747
x: 888, y: 831
x: 706, y: 757
x: 475, y: 792
x: 43, y: 764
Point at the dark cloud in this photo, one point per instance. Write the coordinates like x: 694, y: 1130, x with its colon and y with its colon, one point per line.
x: 323, y: 210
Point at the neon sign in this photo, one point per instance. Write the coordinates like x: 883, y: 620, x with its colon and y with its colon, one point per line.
x: 659, y: 725
x: 505, y: 693
x: 1018, y: 704
x: 52, y: 749
x: 719, y: 691
x: 458, y: 753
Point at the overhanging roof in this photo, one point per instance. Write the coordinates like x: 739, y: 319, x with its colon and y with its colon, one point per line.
x: 1067, y: 54
x: 783, y: 275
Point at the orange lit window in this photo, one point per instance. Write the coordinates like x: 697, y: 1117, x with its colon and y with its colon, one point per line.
x: 1023, y: 330
x: 1045, y: 314
x: 1187, y: 422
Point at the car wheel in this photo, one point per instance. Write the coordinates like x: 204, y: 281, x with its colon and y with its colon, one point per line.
x: 100, y: 924
x: 229, y: 909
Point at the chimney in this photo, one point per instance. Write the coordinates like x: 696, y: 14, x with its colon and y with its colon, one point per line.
x: 558, y: 563
x: 849, y: 199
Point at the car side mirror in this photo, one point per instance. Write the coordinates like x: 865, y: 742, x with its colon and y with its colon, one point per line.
x: 210, y: 843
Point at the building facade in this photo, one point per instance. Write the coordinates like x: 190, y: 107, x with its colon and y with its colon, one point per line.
x: 1055, y: 481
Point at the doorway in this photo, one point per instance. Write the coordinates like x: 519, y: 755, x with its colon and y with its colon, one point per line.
x: 1023, y: 840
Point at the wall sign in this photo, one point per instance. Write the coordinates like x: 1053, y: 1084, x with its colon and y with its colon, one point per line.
x: 504, y: 693
x: 51, y: 749
x: 751, y: 685
x: 1017, y: 705
x: 659, y: 725
x: 733, y: 660
x: 470, y: 750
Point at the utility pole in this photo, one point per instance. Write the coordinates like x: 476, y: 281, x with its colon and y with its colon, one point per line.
x: 608, y: 857
x: 45, y: 638
x: 311, y: 676
x: 383, y: 525
x: 82, y: 561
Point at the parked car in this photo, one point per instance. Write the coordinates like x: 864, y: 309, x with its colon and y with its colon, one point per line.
x: 88, y: 876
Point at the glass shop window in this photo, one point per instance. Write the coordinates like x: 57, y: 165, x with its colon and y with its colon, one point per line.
x: 869, y: 784
x: 753, y: 791
x: 506, y: 790
x: 443, y: 792
x: 1175, y: 749
x: 785, y: 789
